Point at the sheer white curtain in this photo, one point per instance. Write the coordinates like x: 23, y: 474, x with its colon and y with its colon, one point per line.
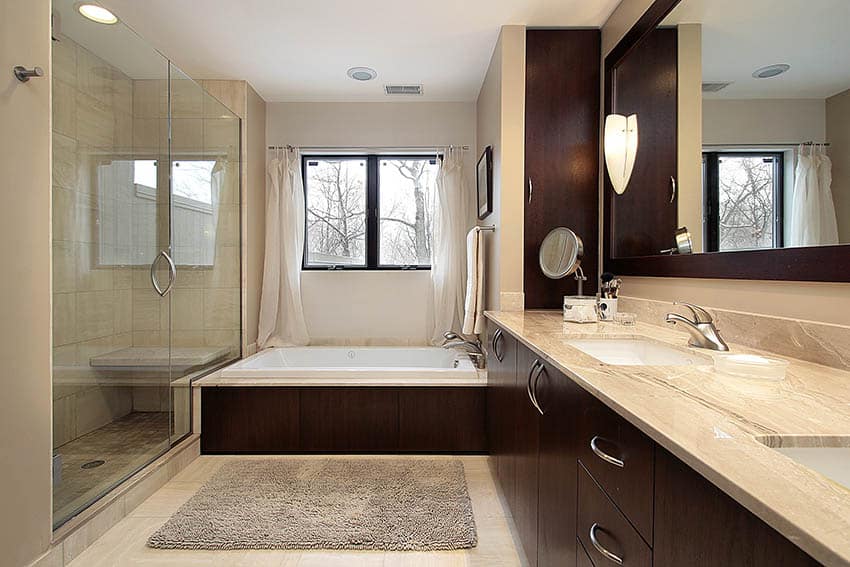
x: 448, y: 253
x: 281, y: 313
x: 813, y: 221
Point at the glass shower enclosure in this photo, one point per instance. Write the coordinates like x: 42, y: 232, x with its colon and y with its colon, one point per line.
x: 146, y: 253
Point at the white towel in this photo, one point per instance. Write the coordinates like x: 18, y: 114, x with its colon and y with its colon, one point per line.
x: 473, y: 321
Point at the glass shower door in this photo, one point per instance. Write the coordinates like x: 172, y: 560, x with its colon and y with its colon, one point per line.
x: 205, y: 239
x: 111, y: 219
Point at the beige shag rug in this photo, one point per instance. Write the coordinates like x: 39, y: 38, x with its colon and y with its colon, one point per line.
x: 366, y: 503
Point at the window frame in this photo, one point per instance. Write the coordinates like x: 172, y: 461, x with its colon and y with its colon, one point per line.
x: 373, y: 191
x: 711, y: 197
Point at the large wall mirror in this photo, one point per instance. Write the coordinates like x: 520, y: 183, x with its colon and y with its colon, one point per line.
x: 743, y: 140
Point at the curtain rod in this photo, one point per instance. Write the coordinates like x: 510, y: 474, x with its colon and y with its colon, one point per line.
x: 770, y: 145
x: 373, y: 148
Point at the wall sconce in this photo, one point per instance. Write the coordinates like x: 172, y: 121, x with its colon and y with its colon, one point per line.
x: 621, y: 143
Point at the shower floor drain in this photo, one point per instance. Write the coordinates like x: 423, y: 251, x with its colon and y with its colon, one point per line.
x: 92, y: 464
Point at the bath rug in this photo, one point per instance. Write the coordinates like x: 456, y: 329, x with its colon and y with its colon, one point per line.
x: 333, y: 503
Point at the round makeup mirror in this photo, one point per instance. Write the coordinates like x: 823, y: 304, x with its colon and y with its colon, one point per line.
x: 561, y: 253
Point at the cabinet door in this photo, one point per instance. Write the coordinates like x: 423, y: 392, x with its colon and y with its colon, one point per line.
x: 698, y: 524
x: 501, y: 409
x: 560, y: 399
x: 527, y: 430
x: 561, y: 152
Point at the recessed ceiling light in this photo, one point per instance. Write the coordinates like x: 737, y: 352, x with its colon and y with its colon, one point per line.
x: 362, y: 73
x: 97, y: 13
x: 770, y: 71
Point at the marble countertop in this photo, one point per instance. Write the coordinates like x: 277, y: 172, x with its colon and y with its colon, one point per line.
x: 714, y: 422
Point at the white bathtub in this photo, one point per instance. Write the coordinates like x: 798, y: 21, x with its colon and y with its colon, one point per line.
x: 351, y: 366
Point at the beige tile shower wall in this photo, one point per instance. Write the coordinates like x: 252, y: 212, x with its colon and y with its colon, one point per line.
x: 241, y: 99
x: 820, y: 302
x: 501, y: 124
x: 838, y: 135
x: 92, y: 306
x: 25, y: 286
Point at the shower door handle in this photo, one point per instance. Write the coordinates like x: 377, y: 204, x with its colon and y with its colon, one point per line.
x: 172, y: 273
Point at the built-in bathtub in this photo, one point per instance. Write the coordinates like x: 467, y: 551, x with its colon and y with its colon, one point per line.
x: 352, y: 366
x: 345, y: 400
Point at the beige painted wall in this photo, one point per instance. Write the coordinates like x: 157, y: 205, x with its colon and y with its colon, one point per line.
x: 689, y: 140
x: 765, y: 121
x: 488, y: 127
x: 813, y: 301
x: 25, y: 405
x: 838, y: 135
x: 372, y: 306
x: 500, y: 123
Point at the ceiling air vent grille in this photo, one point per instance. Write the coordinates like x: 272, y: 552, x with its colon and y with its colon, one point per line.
x: 714, y: 87
x: 403, y: 89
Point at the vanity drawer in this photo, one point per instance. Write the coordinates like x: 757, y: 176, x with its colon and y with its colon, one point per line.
x: 607, y: 536
x: 621, y: 459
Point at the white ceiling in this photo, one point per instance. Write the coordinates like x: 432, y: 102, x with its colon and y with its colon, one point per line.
x: 739, y: 36
x: 299, y: 50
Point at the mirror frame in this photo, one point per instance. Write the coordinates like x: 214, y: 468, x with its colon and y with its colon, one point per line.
x: 814, y: 263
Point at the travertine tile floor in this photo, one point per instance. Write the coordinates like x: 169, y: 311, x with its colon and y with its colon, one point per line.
x: 124, y: 544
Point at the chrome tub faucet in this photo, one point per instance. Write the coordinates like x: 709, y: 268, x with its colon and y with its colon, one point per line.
x: 472, y: 348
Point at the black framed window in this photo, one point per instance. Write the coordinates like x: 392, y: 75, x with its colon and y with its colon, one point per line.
x: 368, y: 212
x: 743, y: 195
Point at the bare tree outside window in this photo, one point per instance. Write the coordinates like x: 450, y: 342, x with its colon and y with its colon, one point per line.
x: 406, y: 188
x: 746, y: 202
x: 336, y: 211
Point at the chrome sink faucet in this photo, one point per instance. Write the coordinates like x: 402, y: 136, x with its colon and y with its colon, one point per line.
x: 703, y: 332
x: 472, y: 348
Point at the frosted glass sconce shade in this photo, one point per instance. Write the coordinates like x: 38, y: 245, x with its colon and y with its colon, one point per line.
x: 621, y: 144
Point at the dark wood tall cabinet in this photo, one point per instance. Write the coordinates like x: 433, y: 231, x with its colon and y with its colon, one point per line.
x: 561, y: 153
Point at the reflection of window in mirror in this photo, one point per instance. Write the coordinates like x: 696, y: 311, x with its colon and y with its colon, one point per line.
x: 743, y: 195
x: 752, y: 102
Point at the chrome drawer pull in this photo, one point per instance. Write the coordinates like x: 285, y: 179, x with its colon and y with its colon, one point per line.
x: 497, y: 340
x: 528, y: 383
x: 605, y: 553
x: 603, y: 455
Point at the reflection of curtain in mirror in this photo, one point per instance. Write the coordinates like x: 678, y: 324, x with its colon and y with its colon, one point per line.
x: 218, y: 178
x: 813, y: 221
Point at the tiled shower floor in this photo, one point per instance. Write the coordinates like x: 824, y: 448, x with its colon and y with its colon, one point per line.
x: 124, y: 445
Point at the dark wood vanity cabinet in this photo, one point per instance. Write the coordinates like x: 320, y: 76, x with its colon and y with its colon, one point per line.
x: 501, y: 351
x: 648, y: 507
x: 698, y: 524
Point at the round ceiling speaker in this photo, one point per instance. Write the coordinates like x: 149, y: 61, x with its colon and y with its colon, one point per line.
x: 362, y: 73
x: 770, y: 71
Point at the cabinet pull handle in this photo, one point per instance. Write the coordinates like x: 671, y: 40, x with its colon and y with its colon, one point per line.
x: 528, y: 382
x: 601, y: 549
x: 497, y: 340
x: 603, y: 455
x: 540, y: 370
x: 673, y: 184
x: 530, y: 190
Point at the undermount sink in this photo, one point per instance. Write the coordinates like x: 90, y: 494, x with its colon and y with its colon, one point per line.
x: 637, y: 352
x: 830, y: 456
